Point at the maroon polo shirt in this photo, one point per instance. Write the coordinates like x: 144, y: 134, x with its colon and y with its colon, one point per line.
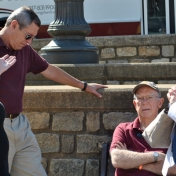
x: 12, y: 81
x: 130, y: 134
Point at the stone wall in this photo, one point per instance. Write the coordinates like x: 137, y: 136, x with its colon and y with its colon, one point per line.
x: 122, y: 60
x: 130, y: 49
x: 71, y: 125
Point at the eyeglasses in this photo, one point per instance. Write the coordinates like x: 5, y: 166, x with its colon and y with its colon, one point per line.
x: 148, y: 98
x: 28, y: 37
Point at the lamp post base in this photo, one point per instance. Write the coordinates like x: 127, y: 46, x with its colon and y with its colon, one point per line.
x: 71, y: 51
x: 70, y: 57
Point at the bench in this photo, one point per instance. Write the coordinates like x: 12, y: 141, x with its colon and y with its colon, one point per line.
x: 106, y: 167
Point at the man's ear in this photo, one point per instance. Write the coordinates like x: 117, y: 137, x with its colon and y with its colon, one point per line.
x: 14, y: 24
x: 161, y: 101
x: 134, y: 103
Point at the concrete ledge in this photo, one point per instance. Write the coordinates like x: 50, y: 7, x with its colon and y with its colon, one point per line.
x: 112, y: 72
x: 132, y: 40
x: 61, y: 98
x: 141, y: 71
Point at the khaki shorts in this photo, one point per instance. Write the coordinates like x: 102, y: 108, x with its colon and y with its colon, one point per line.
x: 24, y: 152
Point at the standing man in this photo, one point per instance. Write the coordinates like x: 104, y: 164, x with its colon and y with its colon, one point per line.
x: 131, y: 155
x: 15, y: 39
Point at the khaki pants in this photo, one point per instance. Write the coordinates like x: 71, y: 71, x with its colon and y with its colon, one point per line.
x: 24, y: 153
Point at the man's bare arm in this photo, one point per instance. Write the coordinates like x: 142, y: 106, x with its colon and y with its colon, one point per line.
x: 58, y: 75
x: 126, y: 159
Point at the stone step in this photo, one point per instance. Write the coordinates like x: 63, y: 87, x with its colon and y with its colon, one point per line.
x: 128, y: 73
x: 61, y: 98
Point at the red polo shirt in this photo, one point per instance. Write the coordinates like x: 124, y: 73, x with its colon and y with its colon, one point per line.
x: 130, y: 134
x: 12, y: 81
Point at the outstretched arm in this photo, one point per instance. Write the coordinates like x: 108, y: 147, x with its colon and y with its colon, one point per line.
x: 6, y: 62
x: 58, y: 75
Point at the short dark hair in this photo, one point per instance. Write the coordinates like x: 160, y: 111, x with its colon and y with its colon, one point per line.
x: 25, y: 16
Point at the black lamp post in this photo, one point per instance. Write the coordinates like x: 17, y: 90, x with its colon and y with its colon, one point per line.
x: 69, y: 30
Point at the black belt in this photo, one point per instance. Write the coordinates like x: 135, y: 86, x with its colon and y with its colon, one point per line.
x: 11, y: 116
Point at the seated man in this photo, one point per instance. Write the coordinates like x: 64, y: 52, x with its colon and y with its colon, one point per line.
x: 131, y: 155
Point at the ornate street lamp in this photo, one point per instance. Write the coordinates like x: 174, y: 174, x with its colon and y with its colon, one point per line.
x: 69, y: 30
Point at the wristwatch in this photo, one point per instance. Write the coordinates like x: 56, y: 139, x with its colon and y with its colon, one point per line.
x: 155, y: 155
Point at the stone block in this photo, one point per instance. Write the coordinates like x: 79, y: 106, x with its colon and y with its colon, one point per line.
x: 166, y: 81
x: 102, y: 62
x: 38, y: 120
x: 149, y: 51
x: 89, y: 143
x: 126, y: 51
x: 112, y: 119
x: 173, y: 60
x: 165, y: 59
x: 67, y: 143
x: 131, y: 82
x: 68, y: 121
x: 48, y: 142
x: 92, y: 167
x: 93, y: 121
x: 113, y: 82
x: 108, y: 53
x: 168, y: 50
x: 139, y: 61
x: 67, y: 167
x: 161, y: 60
x: 117, y: 61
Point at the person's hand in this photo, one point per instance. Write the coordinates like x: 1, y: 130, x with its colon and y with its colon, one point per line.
x: 92, y: 88
x: 121, y: 146
x: 172, y: 170
x: 6, y: 62
x: 171, y: 95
